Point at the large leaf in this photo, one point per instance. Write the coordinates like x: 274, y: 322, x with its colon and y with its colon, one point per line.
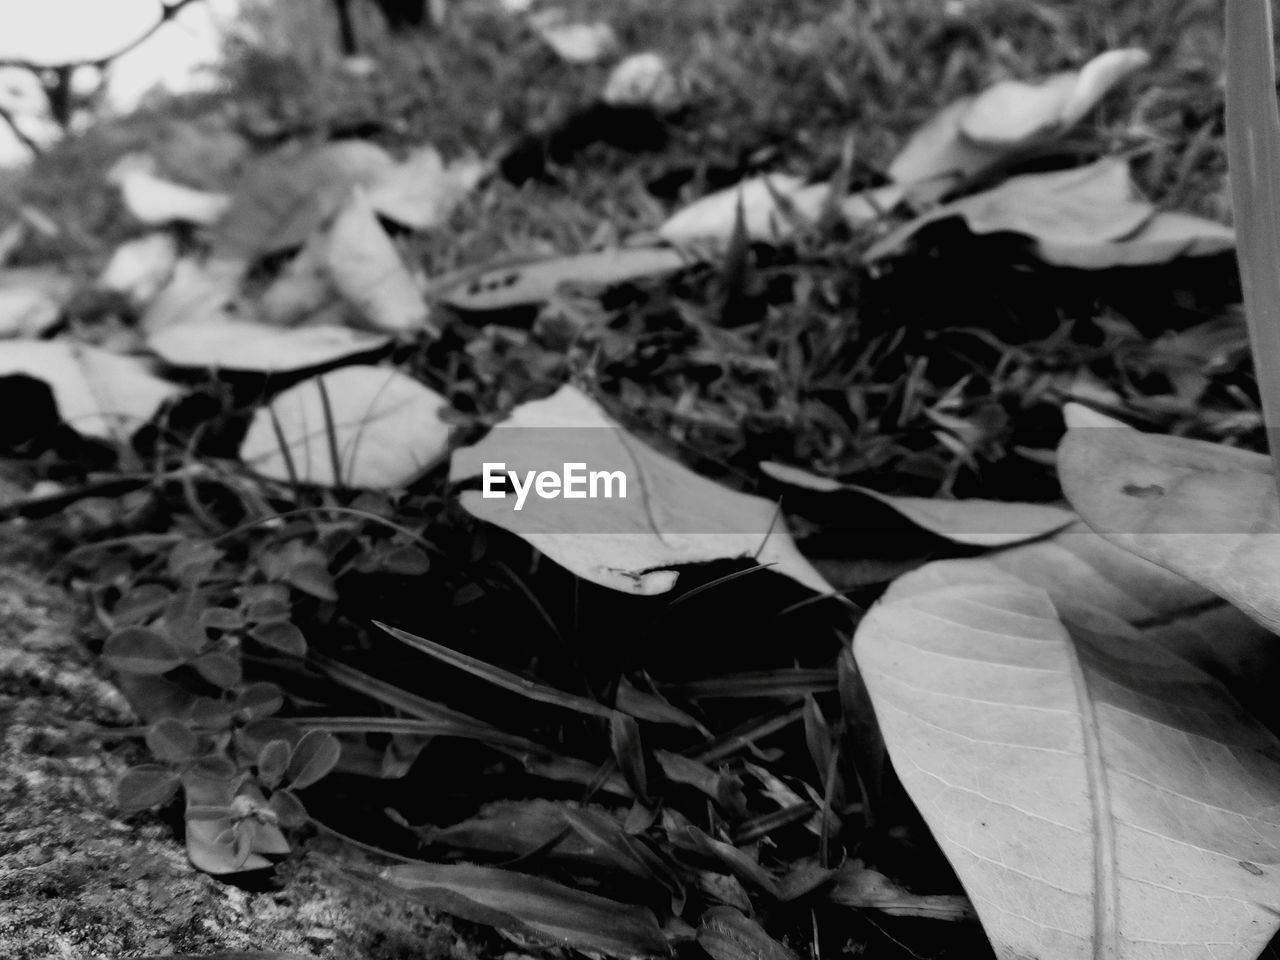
x: 32, y: 299
x: 1098, y: 795
x: 99, y: 394
x: 667, y: 516
x: 238, y: 345
x: 536, y: 907
x: 975, y: 133
x: 1206, y: 511
x: 979, y: 523
x: 1082, y: 206
x: 360, y: 426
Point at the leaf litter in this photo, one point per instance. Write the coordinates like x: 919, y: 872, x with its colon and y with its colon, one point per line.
x: 652, y: 734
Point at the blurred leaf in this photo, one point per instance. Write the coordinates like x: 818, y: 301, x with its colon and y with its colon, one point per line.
x: 365, y: 267
x: 535, y: 907
x: 386, y: 425
x: 288, y: 195
x: 422, y: 191
x: 171, y: 741
x: 239, y: 345
x: 141, y: 650
x: 98, y: 394
x: 145, y: 786
x: 526, y: 283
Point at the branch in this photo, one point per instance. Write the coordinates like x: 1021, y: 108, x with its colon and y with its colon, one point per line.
x: 167, y: 12
x: 12, y: 121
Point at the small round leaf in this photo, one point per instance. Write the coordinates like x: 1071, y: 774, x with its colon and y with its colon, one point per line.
x: 273, y: 760
x: 146, y: 786
x: 141, y: 650
x: 281, y: 635
x: 313, y: 757
x: 288, y: 808
x: 171, y: 740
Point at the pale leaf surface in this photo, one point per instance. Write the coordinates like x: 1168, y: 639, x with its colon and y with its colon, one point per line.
x: 1098, y: 795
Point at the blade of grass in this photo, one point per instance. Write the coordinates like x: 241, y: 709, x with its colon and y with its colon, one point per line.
x: 499, y: 677
x: 1253, y: 159
x: 426, y: 728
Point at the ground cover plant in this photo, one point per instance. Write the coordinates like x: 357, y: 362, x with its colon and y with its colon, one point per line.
x: 904, y: 642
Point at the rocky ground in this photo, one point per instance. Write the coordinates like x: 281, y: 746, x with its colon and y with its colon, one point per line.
x: 81, y: 882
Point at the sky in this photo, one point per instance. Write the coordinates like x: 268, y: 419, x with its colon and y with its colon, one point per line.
x: 52, y: 31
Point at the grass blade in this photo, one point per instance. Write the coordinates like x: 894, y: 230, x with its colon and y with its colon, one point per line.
x: 1253, y: 158
x: 499, y: 677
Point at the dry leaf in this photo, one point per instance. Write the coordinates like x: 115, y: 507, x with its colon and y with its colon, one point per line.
x: 1097, y: 794
x: 1167, y: 236
x: 31, y: 299
x: 236, y: 345
x: 422, y: 191
x: 644, y: 80
x: 154, y: 200
x: 198, y: 291
x: 99, y: 394
x: 1083, y: 206
x: 140, y: 268
x: 976, y: 132
x: 386, y: 426
x: 365, y: 268
x: 289, y: 195
x: 661, y: 517
x: 1205, y: 511
x: 573, y: 42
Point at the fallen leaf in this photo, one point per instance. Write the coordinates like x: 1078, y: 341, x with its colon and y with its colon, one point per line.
x: 644, y: 80
x: 1086, y: 784
x: 1167, y: 236
x: 1013, y: 113
x: 197, y: 291
x: 533, y: 906
x: 573, y: 42
x: 155, y: 201
x: 979, y: 523
x: 421, y: 191
x: 976, y: 132
x: 667, y: 516
x: 236, y: 345
x: 712, y: 218
x: 140, y: 268
x: 302, y: 292
x: 1205, y: 511
x: 99, y: 394
x: 1085, y: 205
x: 31, y: 299
x: 531, y: 282
x: 386, y: 426
x: 290, y: 194
x: 365, y: 268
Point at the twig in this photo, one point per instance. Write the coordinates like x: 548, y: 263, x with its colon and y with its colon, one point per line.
x: 18, y: 132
